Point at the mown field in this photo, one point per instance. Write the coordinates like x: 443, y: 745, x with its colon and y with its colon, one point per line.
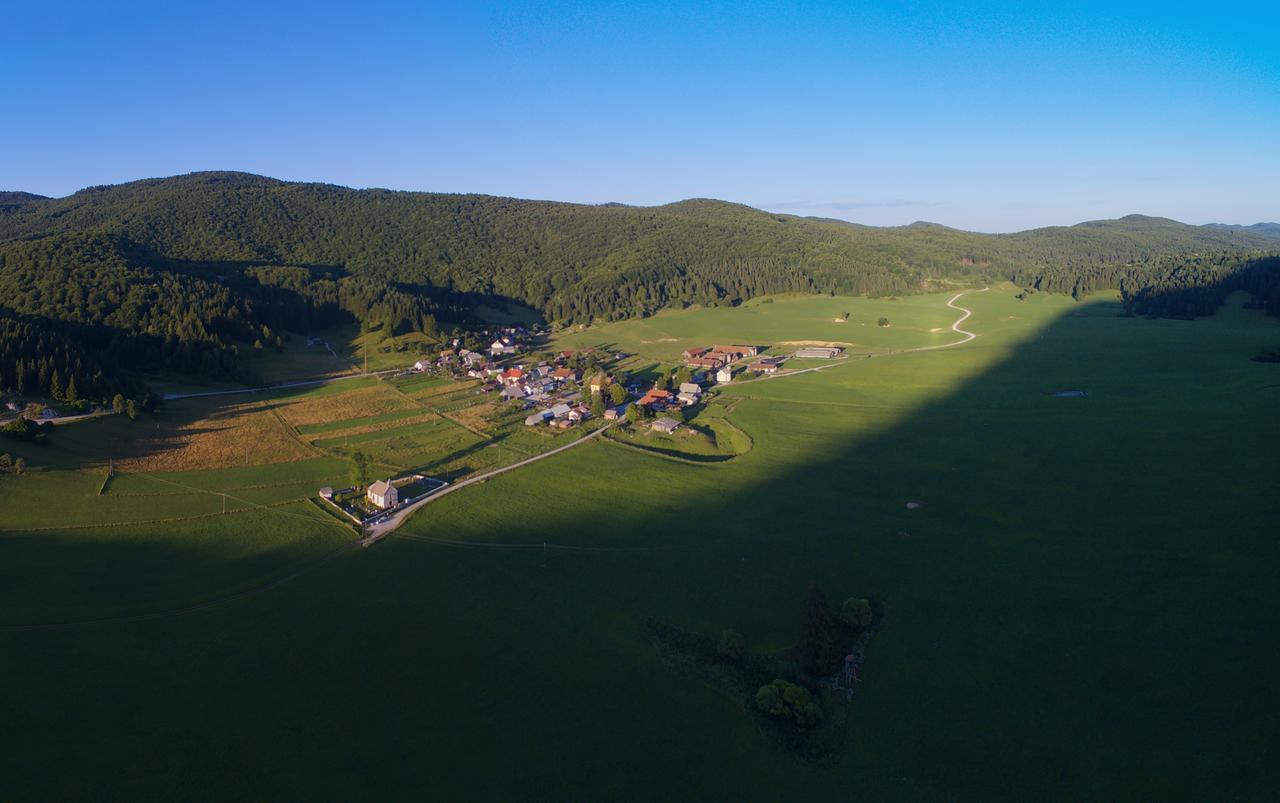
x: 780, y: 322
x: 1083, y: 607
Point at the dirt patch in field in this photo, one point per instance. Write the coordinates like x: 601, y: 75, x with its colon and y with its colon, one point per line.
x: 661, y: 340
x: 826, y: 343
x: 211, y: 436
x: 935, y: 330
x: 378, y: 427
x: 475, y: 417
x: 352, y: 404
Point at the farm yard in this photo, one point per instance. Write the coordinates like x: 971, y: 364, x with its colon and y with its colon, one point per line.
x: 1011, y: 594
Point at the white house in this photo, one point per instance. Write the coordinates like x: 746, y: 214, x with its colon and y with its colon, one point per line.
x: 383, y: 494
x: 421, y: 365
x: 724, y: 375
x: 503, y: 345
x: 690, y: 387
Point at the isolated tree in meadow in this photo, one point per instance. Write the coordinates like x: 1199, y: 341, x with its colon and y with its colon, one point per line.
x: 789, y: 701
x: 360, y: 468
x: 819, y: 647
x: 117, y: 403
x: 131, y: 409
x: 845, y: 316
x: 19, y: 466
x: 6, y: 463
x: 882, y: 322
x: 856, y: 612
x: 617, y: 394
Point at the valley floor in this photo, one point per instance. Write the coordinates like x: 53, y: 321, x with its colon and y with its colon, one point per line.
x: 1081, y: 606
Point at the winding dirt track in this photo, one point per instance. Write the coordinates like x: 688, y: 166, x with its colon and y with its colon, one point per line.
x: 955, y: 327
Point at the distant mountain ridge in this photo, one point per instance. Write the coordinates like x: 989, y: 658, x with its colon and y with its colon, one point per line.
x: 1263, y: 229
x: 194, y: 273
x: 574, y: 261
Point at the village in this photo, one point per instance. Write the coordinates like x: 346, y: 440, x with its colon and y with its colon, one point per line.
x: 571, y: 388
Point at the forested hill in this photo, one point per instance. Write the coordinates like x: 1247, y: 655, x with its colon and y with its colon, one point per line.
x: 573, y: 262
x: 193, y: 272
x: 1264, y: 229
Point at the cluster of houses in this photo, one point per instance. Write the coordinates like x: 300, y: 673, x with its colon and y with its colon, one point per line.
x: 722, y: 358
x: 717, y: 357
x: 473, y: 362
x: 477, y: 363
x: 656, y: 400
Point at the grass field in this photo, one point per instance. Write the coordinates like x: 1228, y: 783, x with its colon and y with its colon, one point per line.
x: 1084, y: 607
x: 780, y: 322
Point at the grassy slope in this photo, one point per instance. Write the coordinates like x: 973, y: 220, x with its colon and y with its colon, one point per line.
x: 788, y: 318
x: 1083, y: 608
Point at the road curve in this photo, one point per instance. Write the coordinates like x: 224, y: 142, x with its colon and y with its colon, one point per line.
x: 955, y: 327
x: 382, y: 529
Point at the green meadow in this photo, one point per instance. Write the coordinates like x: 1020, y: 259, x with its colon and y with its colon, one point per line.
x: 1082, y: 606
x: 774, y: 320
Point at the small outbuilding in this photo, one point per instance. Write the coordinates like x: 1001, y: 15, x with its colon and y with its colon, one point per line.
x: 818, y: 353
x: 665, y: 425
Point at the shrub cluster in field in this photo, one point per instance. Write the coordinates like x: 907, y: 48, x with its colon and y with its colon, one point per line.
x: 784, y: 688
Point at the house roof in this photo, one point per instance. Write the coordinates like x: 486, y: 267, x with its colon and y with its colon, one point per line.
x: 690, y: 387
x: 381, y: 487
x: 666, y: 424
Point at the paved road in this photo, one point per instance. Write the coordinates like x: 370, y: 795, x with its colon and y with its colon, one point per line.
x: 63, y: 419
x: 302, y: 383
x: 381, y: 529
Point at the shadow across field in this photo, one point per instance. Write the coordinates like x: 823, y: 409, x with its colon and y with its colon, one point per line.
x: 1082, y: 606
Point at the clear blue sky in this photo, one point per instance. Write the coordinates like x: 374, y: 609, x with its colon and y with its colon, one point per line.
x: 992, y: 116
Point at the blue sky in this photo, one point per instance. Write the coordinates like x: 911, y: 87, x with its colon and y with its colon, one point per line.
x: 989, y: 116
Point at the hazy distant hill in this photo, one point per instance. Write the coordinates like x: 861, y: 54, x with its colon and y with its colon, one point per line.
x: 1263, y: 229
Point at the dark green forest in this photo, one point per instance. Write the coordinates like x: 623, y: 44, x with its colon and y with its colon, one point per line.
x: 192, y: 273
